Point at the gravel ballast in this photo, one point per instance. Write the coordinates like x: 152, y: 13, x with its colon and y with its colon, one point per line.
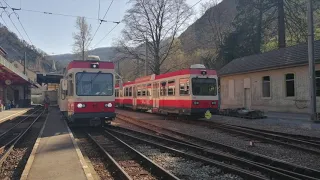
x: 271, y: 150
x: 183, y: 168
x: 14, y: 165
x: 96, y: 158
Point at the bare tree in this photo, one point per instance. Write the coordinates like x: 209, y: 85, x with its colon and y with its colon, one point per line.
x: 81, y: 37
x: 153, y: 25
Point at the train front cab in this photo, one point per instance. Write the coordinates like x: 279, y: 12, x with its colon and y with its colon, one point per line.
x: 91, y: 98
x: 204, y: 95
x: 190, y: 95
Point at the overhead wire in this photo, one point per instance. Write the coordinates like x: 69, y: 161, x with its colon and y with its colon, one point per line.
x: 99, y: 24
x: 105, y: 36
x: 65, y: 15
x: 13, y: 23
x: 19, y: 21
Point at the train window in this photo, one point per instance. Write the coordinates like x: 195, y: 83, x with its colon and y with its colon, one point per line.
x: 70, y: 88
x: 139, y: 92
x: 127, y: 92
x: 149, y: 89
x: 184, y: 86
x: 130, y: 91
x: 144, y: 92
x: 171, y: 88
x: 163, y: 88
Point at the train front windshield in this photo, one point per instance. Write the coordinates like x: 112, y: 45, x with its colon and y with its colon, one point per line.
x: 94, y: 84
x: 204, y: 86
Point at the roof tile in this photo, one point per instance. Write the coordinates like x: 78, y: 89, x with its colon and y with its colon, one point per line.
x: 289, y: 56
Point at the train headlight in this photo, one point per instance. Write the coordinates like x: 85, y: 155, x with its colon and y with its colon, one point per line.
x: 195, y: 102
x: 108, y: 105
x: 80, y: 105
x: 213, y: 103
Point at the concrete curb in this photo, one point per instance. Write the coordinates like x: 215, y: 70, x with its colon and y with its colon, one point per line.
x: 14, y: 115
x: 81, y: 158
x: 28, y: 166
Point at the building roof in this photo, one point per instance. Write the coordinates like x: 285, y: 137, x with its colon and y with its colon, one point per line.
x: 285, y: 57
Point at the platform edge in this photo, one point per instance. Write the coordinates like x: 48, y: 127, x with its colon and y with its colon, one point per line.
x: 80, y: 156
x: 14, y: 115
x: 29, y: 163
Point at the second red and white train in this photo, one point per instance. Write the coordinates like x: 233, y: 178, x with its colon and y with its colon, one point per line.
x: 191, y: 91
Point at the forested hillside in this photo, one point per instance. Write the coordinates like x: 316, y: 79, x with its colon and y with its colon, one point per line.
x: 105, y: 54
x: 225, y: 31
x: 16, y: 49
x: 232, y: 29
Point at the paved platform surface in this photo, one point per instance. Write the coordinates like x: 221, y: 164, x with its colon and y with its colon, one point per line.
x: 55, y: 156
x: 12, y: 113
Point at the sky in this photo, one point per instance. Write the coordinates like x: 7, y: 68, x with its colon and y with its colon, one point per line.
x: 53, y: 33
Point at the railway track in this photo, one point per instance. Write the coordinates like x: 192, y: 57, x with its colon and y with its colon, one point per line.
x: 10, y: 137
x: 225, y: 168
x: 261, y: 160
x: 300, y: 142
x: 125, y: 161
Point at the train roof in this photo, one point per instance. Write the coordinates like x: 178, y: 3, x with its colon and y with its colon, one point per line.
x: 87, y: 64
x: 171, y: 74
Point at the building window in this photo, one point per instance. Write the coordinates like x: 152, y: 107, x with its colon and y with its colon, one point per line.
x: 290, y: 92
x: 266, y: 86
x: 318, y: 83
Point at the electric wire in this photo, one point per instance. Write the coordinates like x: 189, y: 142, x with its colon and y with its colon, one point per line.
x: 19, y: 22
x: 99, y: 24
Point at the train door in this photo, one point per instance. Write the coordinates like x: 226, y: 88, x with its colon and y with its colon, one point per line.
x: 155, y: 95
x: 134, y: 100
x: 163, y: 94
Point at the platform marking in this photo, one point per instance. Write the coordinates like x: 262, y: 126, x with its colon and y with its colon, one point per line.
x: 82, y: 160
x: 19, y: 113
x: 28, y: 166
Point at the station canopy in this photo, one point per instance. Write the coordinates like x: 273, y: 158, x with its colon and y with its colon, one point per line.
x: 10, y: 75
x: 49, y: 78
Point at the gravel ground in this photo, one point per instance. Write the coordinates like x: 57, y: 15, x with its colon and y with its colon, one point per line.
x: 124, y: 159
x: 280, y: 127
x: 99, y: 165
x: 286, y: 127
x: 14, y: 165
x: 183, y: 168
x: 275, y: 151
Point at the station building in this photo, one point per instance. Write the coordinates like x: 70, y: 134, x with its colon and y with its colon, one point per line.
x: 275, y: 81
x: 14, y: 85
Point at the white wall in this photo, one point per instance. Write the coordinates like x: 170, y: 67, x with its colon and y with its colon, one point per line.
x: 235, y: 97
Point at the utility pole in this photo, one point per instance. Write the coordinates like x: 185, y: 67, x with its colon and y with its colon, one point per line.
x: 146, y: 61
x: 313, y: 97
x: 24, y: 62
x: 24, y: 72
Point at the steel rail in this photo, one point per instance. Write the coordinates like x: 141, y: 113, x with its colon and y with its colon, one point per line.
x: 9, y: 150
x: 296, y: 136
x: 154, y: 168
x: 268, y: 135
x: 225, y: 167
x: 276, y: 163
x: 222, y: 156
x: 29, y: 116
x: 116, y: 168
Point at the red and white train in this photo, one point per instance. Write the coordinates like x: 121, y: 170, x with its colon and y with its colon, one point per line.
x: 86, y: 92
x: 191, y: 91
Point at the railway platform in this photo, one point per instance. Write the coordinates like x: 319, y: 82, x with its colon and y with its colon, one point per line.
x: 12, y: 113
x: 55, y: 154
